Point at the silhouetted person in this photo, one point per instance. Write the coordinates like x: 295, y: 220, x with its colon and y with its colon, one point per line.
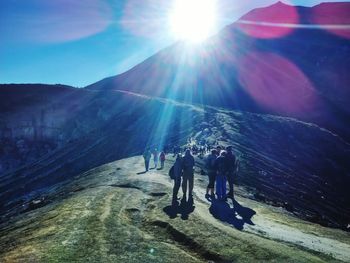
x: 221, y: 169
x: 147, y: 157
x: 210, y: 166
x: 188, y: 173
x: 162, y: 159
x: 176, y: 150
x: 231, y: 169
x: 208, y: 148
x: 177, y: 177
x: 218, y: 149
x: 155, y: 158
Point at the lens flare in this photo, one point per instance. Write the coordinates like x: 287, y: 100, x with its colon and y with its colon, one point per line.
x: 192, y: 20
x: 270, y: 23
x: 276, y: 83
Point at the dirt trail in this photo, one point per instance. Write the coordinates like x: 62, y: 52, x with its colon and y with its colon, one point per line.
x: 117, y: 208
x: 107, y: 207
x: 269, y: 222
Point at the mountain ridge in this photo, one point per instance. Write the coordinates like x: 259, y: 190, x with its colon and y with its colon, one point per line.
x: 217, y: 73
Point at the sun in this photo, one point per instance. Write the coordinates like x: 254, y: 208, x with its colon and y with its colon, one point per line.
x: 192, y: 20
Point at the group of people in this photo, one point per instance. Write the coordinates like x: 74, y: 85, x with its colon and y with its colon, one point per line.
x: 222, y: 166
x: 201, y: 150
x: 147, y: 155
x: 183, y: 174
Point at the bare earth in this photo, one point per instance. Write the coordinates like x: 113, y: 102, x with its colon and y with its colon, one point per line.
x: 115, y: 213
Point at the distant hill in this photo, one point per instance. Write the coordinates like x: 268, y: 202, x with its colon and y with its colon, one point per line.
x: 281, y: 59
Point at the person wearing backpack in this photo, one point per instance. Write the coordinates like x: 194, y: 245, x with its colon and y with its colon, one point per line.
x: 147, y: 157
x: 221, y: 170
x: 210, y: 166
x: 176, y: 173
x: 232, y: 165
x: 162, y: 159
x: 188, y: 174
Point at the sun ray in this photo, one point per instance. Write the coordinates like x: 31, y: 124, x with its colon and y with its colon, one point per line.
x: 193, y: 20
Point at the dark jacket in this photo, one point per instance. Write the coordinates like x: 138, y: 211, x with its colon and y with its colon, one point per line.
x: 178, y: 168
x: 231, y: 162
x: 221, y: 165
x: 210, y: 162
x: 188, y: 162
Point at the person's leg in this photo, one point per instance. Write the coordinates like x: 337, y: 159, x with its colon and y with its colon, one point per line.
x: 184, y: 185
x: 224, y: 187
x: 191, y: 184
x: 218, y: 186
x: 146, y: 164
x: 230, y: 184
x: 177, y: 182
x: 212, y: 182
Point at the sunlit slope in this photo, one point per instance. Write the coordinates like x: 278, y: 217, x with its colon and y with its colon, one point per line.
x: 111, y: 214
x: 285, y: 162
x: 292, y: 67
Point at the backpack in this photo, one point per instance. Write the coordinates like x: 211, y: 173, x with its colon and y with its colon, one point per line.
x: 188, y: 162
x: 210, y: 162
x: 172, y: 173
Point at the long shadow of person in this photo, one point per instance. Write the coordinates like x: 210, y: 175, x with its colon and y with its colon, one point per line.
x: 184, y: 208
x: 222, y: 211
x: 245, y: 212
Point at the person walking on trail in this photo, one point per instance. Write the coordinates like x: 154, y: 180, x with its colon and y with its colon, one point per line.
x: 162, y: 159
x: 176, y: 150
x: 155, y: 158
x: 147, y: 157
x: 188, y: 174
x: 221, y: 169
x: 232, y: 165
x: 178, y: 172
x: 210, y: 166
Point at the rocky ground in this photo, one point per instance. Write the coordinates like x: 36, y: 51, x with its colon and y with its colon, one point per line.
x: 117, y: 213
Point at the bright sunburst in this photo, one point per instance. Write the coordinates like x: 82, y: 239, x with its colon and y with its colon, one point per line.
x: 193, y: 20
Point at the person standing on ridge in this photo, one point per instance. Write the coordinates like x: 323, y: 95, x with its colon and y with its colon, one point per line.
x: 210, y: 165
x: 188, y: 174
x: 178, y: 173
x: 155, y: 158
x: 221, y: 169
x: 232, y: 165
x: 147, y: 157
x: 162, y: 159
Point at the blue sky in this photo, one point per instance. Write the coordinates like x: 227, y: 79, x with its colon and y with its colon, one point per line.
x: 80, y: 42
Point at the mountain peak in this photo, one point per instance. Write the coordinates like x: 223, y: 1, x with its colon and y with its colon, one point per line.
x: 280, y: 3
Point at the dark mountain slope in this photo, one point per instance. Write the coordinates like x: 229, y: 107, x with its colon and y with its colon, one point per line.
x: 295, y: 64
x: 285, y: 162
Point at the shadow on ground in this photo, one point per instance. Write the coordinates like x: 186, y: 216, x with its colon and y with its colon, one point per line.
x: 184, y: 209
x: 236, y: 216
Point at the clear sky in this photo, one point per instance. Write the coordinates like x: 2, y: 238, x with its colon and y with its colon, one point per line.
x: 80, y: 42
